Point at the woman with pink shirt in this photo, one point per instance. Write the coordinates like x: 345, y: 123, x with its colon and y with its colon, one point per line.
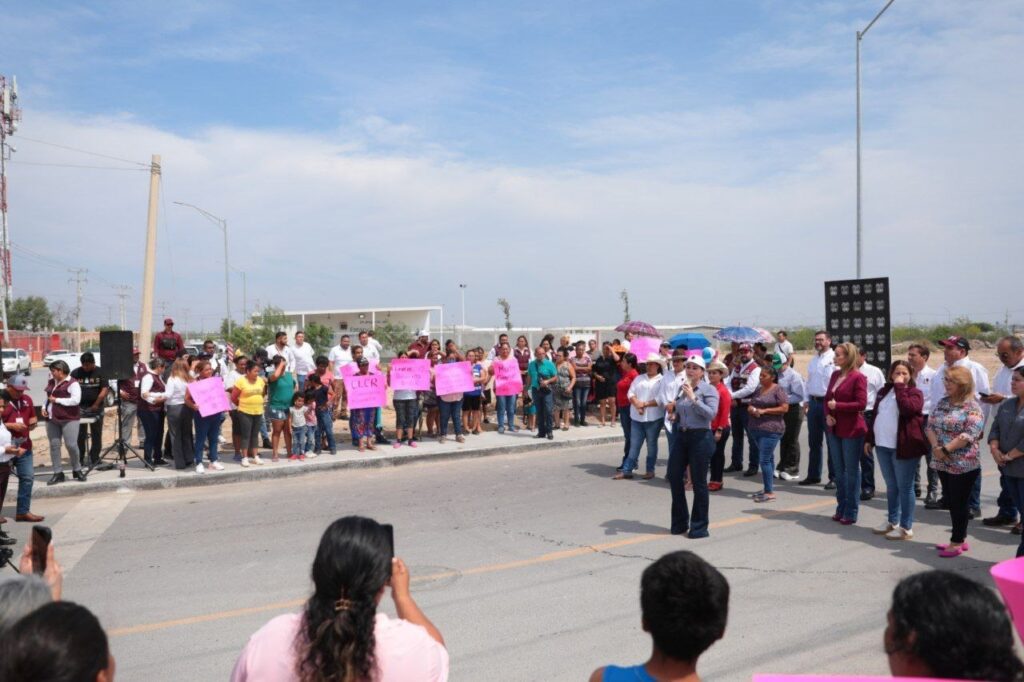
x: 339, y: 635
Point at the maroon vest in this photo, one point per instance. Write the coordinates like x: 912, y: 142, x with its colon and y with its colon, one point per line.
x: 131, y: 386
x: 62, y: 413
x: 157, y: 387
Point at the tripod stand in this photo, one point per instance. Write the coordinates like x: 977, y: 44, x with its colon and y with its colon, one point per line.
x: 122, y: 449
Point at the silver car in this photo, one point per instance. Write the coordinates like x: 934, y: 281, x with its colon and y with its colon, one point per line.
x: 16, y: 361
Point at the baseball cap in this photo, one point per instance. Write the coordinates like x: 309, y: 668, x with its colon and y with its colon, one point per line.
x: 168, y: 320
x: 746, y: 346
x: 135, y: 351
x: 19, y: 382
x: 696, y: 360
x: 957, y: 341
x: 422, y: 332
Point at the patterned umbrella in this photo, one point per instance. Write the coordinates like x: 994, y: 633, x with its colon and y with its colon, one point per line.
x: 639, y: 328
x: 766, y: 336
x: 742, y: 335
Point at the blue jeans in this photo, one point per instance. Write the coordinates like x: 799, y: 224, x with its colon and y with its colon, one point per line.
x: 22, y: 467
x: 545, y: 403
x: 300, y: 435
x: 300, y: 382
x: 692, y: 448
x: 153, y: 426
x: 766, y: 442
x: 1014, y: 485
x: 207, y: 433
x: 324, y: 427
x: 451, y: 411
x: 640, y: 432
x: 627, y: 430
x: 579, y: 403
x: 899, y: 485
x: 1008, y: 506
x: 507, y: 412
x: 738, y: 417
x: 815, y: 435
x: 845, y: 454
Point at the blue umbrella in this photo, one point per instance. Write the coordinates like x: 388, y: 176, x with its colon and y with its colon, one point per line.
x: 691, y: 340
x: 742, y: 335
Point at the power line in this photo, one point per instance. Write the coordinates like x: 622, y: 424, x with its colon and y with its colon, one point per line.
x: 73, y: 165
x: 83, y: 151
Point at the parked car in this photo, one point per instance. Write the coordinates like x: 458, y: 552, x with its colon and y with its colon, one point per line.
x: 58, y: 354
x: 191, y: 350
x: 16, y: 360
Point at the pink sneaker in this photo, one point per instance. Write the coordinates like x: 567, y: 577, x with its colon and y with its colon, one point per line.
x: 949, y: 552
x: 397, y: 444
x: 945, y: 546
x: 412, y: 444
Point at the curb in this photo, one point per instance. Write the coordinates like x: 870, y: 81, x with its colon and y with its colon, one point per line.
x: 136, y: 478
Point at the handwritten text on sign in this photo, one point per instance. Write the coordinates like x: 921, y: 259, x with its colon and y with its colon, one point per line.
x: 410, y: 374
x: 507, y: 379
x: 209, y: 396
x: 366, y: 390
x: 454, y: 377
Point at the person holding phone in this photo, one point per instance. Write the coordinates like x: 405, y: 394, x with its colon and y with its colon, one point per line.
x: 695, y: 406
x: 340, y: 634
x: 19, y: 416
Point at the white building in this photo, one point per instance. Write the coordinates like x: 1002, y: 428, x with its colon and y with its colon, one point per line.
x: 355, y: 320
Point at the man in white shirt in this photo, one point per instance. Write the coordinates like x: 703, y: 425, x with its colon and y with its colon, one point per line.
x: 876, y: 380
x: 305, y: 362
x: 917, y: 356
x: 783, y: 346
x: 628, y: 337
x: 280, y: 347
x: 743, y: 382
x: 1010, y: 351
x: 340, y: 356
x: 374, y: 342
x: 955, y: 350
x: 793, y: 384
x: 819, y: 371
x: 371, y: 349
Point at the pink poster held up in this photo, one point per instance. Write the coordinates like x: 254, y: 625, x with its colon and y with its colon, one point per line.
x: 410, y: 374
x: 209, y: 396
x: 351, y: 369
x: 507, y: 379
x: 453, y: 377
x: 366, y: 390
x: 642, y: 346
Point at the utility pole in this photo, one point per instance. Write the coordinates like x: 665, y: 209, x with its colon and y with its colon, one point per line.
x: 79, y: 279
x: 184, y: 314
x: 10, y: 115
x: 245, y: 302
x: 462, y: 290
x: 149, y: 269
x: 223, y: 225
x: 122, y: 294
x: 860, y: 36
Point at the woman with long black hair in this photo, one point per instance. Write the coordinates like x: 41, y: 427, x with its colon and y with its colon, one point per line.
x: 340, y: 635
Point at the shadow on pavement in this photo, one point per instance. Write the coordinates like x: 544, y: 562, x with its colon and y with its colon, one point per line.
x: 617, y: 526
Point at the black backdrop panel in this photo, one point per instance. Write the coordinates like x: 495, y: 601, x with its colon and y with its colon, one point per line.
x: 116, y: 355
x: 858, y: 310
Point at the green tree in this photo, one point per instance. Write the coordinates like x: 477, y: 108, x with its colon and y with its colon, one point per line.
x: 108, y: 328
x: 30, y: 313
x: 321, y: 337
x: 393, y: 337
x: 506, y: 310
x: 258, y: 332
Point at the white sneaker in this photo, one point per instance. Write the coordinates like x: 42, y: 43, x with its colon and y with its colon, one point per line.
x: 200, y: 469
x: 311, y: 455
x: 217, y: 466
x: 786, y: 476
x: 883, y: 529
x: 899, y: 533
x: 257, y: 460
x: 776, y: 474
x: 245, y: 461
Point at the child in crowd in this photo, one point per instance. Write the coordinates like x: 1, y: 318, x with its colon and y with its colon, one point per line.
x: 311, y: 432
x: 323, y: 402
x: 298, y: 419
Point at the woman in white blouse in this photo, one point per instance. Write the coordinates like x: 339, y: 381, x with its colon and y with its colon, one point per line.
x: 179, y: 416
x: 63, y: 397
x: 647, y: 414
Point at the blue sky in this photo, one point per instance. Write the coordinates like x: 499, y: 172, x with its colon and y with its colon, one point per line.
x: 417, y: 140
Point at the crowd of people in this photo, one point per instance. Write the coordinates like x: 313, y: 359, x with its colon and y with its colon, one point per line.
x: 939, y: 624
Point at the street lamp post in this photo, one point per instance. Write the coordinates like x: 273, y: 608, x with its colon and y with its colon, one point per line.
x: 223, y: 225
x: 860, y: 36
x: 462, y: 290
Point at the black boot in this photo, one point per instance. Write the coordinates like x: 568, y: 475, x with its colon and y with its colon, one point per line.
x: 79, y: 475
x: 56, y: 478
x: 6, y: 539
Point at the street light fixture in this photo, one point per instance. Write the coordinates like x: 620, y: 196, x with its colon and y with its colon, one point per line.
x: 223, y: 225
x: 462, y: 290
x: 860, y: 36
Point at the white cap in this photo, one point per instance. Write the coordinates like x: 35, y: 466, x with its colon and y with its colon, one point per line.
x: 422, y: 332
x: 696, y: 360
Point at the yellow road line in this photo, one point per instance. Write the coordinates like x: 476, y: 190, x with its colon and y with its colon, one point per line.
x: 479, y: 570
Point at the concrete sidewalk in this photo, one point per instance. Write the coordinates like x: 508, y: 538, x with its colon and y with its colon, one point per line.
x: 138, y: 478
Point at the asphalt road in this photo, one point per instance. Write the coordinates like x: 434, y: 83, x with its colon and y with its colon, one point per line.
x: 528, y: 563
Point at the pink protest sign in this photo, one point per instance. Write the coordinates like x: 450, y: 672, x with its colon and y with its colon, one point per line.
x: 366, y: 390
x: 642, y: 346
x: 507, y: 379
x: 453, y: 377
x: 1009, y: 577
x: 352, y: 369
x: 209, y: 396
x: 837, y: 678
x: 410, y: 374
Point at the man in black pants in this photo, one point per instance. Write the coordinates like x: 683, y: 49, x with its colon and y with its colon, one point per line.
x: 94, y: 393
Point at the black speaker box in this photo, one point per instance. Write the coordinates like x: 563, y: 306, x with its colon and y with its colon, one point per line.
x: 116, y: 355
